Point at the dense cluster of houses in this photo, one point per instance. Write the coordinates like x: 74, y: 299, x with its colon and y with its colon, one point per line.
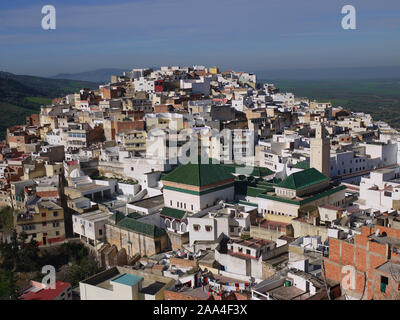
x: 193, y: 184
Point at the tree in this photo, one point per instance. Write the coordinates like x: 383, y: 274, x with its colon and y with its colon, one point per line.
x: 8, y: 286
x: 6, y: 218
x: 9, y: 252
x: 87, y: 267
x: 18, y: 254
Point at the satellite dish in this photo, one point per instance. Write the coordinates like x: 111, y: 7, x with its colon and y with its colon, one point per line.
x: 377, y: 232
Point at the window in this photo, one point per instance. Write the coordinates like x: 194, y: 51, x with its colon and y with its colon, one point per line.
x: 43, y: 214
x: 100, y: 232
x: 208, y: 228
x: 248, y: 251
x: 44, y: 224
x: 55, y: 213
x: 240, y: 249
x: 57, y: 233
x: 384, y: 283
x: 196, y: 227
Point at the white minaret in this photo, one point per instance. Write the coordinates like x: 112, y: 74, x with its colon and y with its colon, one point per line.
x: 320, y: 151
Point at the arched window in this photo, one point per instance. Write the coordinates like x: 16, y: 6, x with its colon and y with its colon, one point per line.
x: 183, y: 227
x: 167, y: 223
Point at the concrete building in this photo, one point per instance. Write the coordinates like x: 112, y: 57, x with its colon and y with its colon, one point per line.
x: 231, y: 220
x: 381, y: 190
x: 245, y: 257
x: 120, y: 283
x: 90, y: 226
x: 44, y: 223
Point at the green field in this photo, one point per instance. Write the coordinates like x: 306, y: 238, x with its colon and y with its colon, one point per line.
x: 39, y: 100
x: 380, y: 98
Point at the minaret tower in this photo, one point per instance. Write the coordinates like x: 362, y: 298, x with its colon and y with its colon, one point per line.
x: 320, y: 151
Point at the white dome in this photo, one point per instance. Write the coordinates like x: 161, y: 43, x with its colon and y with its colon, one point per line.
x: 76, y: 173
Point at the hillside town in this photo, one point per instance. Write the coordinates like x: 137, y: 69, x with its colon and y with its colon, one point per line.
x: 189, y: 183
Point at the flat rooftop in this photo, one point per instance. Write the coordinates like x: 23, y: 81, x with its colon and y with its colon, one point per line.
x: 91, y: 187
x: 286, y: 293
x: 251, y: 242
x: 49, y: 205
x: 149, y: 202
x: 127, y: 279
x: 151, y: 284
x: 385, y: 240
x: 390, y: 267
x: 94, y: 216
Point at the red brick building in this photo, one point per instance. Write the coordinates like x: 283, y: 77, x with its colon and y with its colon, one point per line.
x: 375, y: 257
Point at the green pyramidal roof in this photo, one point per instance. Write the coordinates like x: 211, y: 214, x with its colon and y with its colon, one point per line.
x: 303, y: 179
x: 198, y: 174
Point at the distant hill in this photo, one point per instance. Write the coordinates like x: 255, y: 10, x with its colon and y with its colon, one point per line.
x: 379, y: 97
x: 330, y: 74
x: 22, y: 95
x: 100, y: 75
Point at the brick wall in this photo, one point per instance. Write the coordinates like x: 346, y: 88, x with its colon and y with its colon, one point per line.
x: 364, y: 255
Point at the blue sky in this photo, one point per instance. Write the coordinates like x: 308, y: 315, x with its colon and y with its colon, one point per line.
x: 248, y: 35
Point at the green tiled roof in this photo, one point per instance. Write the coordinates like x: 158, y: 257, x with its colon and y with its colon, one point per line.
x: 141, y: 227
x: 251, y: 189
x: 119, y: 216
x: 303, y: 179
x: 254, y: 192
x: 198, y: 174
x: 306, y: 200
x: 173, y: 213
x: 302, y: 165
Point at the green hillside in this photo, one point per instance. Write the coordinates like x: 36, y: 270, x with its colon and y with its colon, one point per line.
x: 380, y: 98
x: 23, y: 95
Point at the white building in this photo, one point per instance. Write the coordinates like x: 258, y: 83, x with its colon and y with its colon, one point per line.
x: 381, y: 190
x: 90, y: 226
x: 228, y: 219
x: 124, y: 284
